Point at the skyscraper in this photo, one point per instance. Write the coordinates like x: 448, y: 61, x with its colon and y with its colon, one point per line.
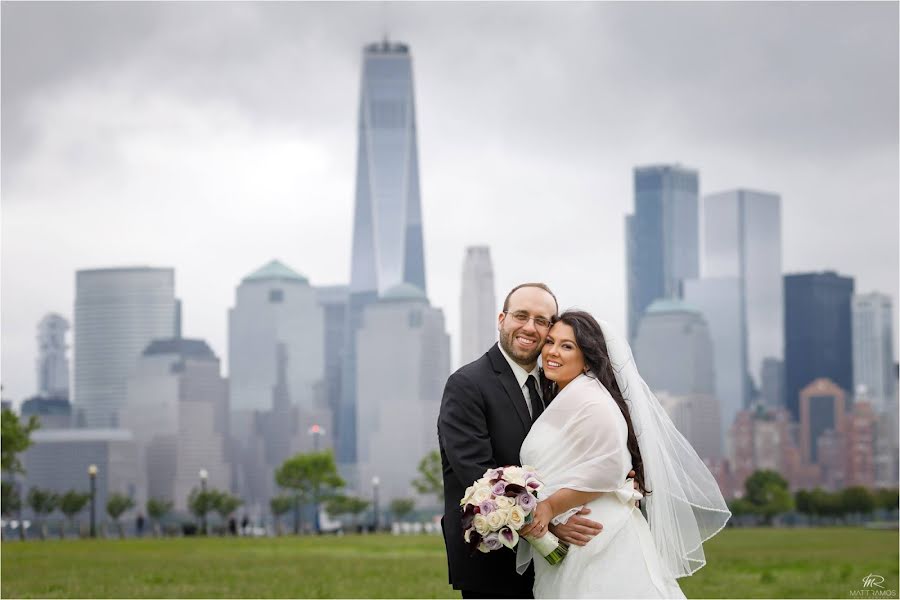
x: 277, y: 367
x: 333, y: 300
x: 673, y: 349
x: 662, y: 239
x: 763, y: 439
x: 117, y: 313
x: 52, y: 363
x: 274, y: 305
x: 53, y: 412
x: 822, y: 407
x: 719, y: 300
x: 817, y: 332
x: 674, y: 352
x: 403, y: 363
x: 860, y: 445
x: 478, y: 305
x: 58, y: 460
x: 772, y: 386
x: 177, y: 411
x: 873, y: 348
x: 742, y: 238
x: 387, y: 225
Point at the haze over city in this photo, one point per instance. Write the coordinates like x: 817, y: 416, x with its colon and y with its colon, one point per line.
x: 214, y: 137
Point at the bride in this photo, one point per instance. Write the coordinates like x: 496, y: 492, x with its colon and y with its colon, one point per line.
x: 602, y: 423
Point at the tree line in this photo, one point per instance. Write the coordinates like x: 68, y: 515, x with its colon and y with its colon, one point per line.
x: 767, y: 494
x: 306, y: 479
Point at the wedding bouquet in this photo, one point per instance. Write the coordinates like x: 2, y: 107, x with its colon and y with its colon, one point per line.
x: 500, y: 503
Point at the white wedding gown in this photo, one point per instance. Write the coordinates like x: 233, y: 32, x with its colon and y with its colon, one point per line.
x: 579, y: 442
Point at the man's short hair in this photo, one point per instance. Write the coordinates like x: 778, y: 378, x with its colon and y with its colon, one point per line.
x: 542, y: 286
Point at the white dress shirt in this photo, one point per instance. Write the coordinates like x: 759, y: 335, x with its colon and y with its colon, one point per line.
x: 522, y: 377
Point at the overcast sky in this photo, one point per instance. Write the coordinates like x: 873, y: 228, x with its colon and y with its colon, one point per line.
x: 213, y: 137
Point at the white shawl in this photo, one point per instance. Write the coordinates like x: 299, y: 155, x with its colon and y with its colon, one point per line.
x: 580, y: 443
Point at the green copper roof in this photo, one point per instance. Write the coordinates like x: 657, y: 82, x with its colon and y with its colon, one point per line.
x: 275, y: 270
x: 404, y: 292
x: 668, y: 305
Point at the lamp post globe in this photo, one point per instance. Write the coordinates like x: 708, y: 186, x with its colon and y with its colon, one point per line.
x: 375, y: 483
x: 204, y: 475
x: 92, y: 475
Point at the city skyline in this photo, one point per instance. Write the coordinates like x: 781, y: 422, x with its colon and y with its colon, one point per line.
x: 217, y: 163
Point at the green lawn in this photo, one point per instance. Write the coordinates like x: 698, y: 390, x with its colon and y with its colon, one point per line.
x: 795, y: 563
x: 742, y: 563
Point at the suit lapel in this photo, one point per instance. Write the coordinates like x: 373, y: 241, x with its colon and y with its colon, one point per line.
x: 510, y: 384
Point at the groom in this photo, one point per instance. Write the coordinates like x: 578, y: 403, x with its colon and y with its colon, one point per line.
x: 486, y: 412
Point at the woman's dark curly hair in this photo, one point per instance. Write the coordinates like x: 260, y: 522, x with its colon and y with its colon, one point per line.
x: 590, y: 340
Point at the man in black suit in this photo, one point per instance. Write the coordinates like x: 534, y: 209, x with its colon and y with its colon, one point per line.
x: 486, y: 412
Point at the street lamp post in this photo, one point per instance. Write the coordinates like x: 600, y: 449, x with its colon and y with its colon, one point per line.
x: 203, y: 477
x: 375, y: 483
x: 19, y: 488
x: 316, y: 432
x: 92, y: 474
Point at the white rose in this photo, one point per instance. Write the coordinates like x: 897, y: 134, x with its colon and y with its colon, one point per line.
x: 512, y: 472
x: 504, y: 512
x: 468, y: 495
x: 480, y: 523
x: 504, y: 502
x: 514, y: 475
x: 516, y: 517
x: 496, y: 520
x: 481, y: 494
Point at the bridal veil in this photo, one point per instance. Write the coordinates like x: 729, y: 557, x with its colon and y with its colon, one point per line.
x: 685, y: 507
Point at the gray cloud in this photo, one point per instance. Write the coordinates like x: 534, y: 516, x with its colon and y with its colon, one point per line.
x: 214, y: 136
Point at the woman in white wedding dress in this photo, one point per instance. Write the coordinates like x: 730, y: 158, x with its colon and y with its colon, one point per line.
x: 602, y: 422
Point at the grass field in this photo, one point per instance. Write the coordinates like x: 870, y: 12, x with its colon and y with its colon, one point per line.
x: 742, y: 563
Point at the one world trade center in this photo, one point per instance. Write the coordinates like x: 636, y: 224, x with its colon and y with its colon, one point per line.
x: 387, y: 224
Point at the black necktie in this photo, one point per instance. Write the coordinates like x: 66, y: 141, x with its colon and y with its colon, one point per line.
x: 537, y: 406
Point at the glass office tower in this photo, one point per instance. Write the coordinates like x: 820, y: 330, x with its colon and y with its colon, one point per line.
x: 662, y: 236
x: 742, y: 239
x: 387, y: 224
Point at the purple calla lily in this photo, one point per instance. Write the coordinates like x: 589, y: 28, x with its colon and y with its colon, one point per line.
x: 509, y: 537
x: 468, y: 515
x: 474, y: 541
x: 513, y: 489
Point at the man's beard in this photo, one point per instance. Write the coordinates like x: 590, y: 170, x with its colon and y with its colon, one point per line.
x: 523, y: 358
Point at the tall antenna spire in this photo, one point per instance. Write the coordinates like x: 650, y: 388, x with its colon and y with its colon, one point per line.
x: 384, y: 21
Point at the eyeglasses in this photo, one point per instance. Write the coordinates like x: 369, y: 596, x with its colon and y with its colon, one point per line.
x: 521, y: 317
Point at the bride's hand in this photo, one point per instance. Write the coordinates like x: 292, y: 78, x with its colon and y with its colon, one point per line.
x: 540, y: 520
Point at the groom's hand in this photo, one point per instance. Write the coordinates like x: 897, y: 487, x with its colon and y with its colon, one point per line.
x: 577, y: 531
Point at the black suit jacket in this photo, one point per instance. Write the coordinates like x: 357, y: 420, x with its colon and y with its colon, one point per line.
x: 482, y: 423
